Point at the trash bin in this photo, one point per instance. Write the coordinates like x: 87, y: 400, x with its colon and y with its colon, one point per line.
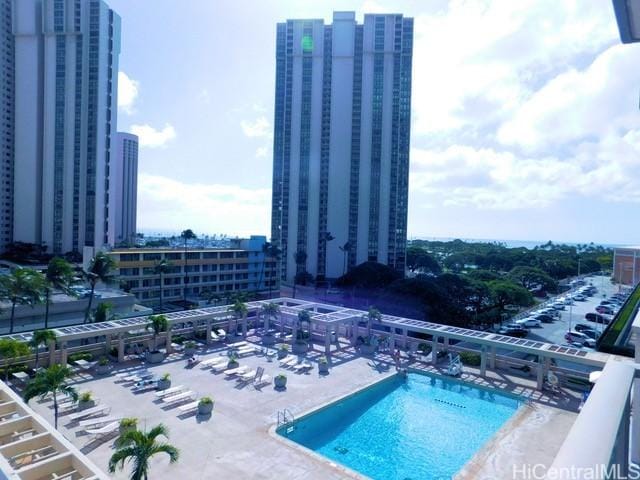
x: 334, y: 337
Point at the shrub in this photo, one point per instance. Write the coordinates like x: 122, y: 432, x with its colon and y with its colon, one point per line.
x: 206, y: 401
x: 74, y: 357
x: 284, y: 347
x: 470, y: 359
x: 113, y: 351
x: 190, y: 344
x: 104, y: 361
x: 281, y: 376
x: 323, y: 360
x: 85, y: 397
x: 130, y: 422
x: 165, y: 377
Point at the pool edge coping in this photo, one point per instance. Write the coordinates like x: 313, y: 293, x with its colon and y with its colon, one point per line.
x: 272, y: 430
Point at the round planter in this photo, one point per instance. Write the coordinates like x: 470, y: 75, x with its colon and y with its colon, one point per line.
x: 154, y: 357
x: 233, y: 364
x: 282, y: 354
x: 102, y: 369
x: 323, y: 368
x: 205, y: 409
x: 299, y: 348
x: 84, y: 405
x: 164, y: 384
x: 280, y: 383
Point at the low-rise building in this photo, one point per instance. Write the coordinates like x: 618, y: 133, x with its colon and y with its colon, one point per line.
x: 626, y: 265
x: 197, y: 274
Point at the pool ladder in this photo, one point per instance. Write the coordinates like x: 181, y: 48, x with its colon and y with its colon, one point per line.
x: 287, y: 420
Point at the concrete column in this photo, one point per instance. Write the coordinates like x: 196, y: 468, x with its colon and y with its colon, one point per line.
x: 244, y: 326
x: 492, y: 358
x: 434, y: 350
x: 392, y: 341
x: 63, y: 354
x: 327, y: 341
x: 107, y: 344
x: 52, y: 352
x: 405, y: 337
x: 121, y: 347
x: 483, y: 360
x: 168, y: 345
x: 294, y: 331
x: 208, y: 332
x: 540, y: 372
x: 446, y: 343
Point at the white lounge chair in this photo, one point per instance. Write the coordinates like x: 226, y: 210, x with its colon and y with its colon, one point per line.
x: 180, y: 397
x: 102, y: 431
x: 304, y: 366
x: 236, y: 371
x: 215, y: 337
x: 99, y: 421
x: 264, y: 380
x: 188, y: 407
x: 249, y: 350
x: 285, y: 361
x: 220, y: 367
x: 169, y: 391
x: 209, y: 362
x: 222, y: 335
x: 99, y: 409
x: 291, y: 362
x: 246, y: 376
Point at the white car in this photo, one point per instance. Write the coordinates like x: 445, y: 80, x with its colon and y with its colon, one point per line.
x: 580, y: 338
x: 528, y: 322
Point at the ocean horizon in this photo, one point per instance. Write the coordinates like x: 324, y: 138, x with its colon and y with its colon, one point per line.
x: 529, y: 244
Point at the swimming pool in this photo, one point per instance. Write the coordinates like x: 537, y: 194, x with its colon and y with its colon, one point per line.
x: 422, y: 427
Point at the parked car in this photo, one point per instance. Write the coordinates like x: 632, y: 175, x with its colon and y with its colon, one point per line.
x: 557, y: 306
x: 514, y: 331
x: 580, y: 298
x: 549, y: 311
x: 544, y: 317
x: 580, y: 338
x: 579, y: 327
x: 598, y: 318
x: 528, y: 322
x: 605, y: 309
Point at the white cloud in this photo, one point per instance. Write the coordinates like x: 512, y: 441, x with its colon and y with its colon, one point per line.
x: 477, y: 60
x: 260, y: 127
x: 128, y: 90
x: 152, y: 138
x: 262, y: 152
x: 579, y: 103
x: 212, y: 208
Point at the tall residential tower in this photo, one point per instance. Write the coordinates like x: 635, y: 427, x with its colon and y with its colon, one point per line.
x: 66, y: 66
x: 125, y: 183
x: 341, y: 143
x: 6, y: 124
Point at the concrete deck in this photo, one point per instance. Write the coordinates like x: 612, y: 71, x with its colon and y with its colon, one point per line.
x: 235, y: 441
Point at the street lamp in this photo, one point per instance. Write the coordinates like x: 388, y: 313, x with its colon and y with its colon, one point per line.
x: 628, y: 18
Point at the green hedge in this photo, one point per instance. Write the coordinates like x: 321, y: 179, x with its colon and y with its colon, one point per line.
x: 74, y: 357
x: 470, y: 359
x: 607, y: 343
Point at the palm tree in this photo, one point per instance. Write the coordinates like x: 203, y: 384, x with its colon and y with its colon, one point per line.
x: 23, y: 286
x: 102, y: 313
x: 10, y: 349
x: 345, y: 252
x: 303, y: 317
x: 186, y: 235
x: 100, y: 269
x: 53, y: 380
x: 60, y: 276
x: 42, y: 337
x: 159, y: 324
x: 162, y: 267
x: 270, y: 310
x: 374, y: 315
x: 139, y: 447
x: 239, y: 310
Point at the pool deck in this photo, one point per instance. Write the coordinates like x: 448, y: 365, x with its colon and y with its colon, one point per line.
x: 235, y: 441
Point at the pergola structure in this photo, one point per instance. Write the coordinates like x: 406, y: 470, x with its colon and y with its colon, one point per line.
x: 326, y: 321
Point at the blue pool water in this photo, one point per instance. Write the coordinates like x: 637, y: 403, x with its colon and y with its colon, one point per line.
x: 418, y: 428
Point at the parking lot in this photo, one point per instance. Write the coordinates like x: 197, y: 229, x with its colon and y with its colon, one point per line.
x: 572, y: 314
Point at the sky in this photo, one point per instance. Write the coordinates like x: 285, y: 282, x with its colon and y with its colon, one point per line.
x: 525, y: 120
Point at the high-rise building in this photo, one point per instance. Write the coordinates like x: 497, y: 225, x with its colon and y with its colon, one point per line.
x: 341, y: 143
x: 66, y: 66
x: 125, y: 185
x: 6, y: 124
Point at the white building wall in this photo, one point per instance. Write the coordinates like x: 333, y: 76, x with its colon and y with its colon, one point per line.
x: 340, y: 142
